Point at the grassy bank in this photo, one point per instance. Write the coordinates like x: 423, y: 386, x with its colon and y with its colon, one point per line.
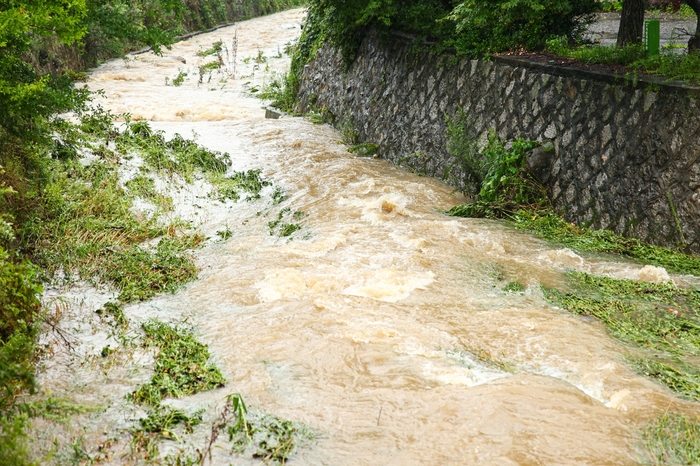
x: 64, y: 216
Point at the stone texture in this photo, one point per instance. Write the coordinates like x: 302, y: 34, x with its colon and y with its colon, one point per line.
x: 622, y: 154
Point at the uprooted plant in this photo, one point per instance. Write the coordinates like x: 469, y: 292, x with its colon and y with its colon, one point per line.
x: 496, y: 174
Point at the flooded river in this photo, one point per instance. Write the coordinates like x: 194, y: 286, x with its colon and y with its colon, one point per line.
x: 366, y: 324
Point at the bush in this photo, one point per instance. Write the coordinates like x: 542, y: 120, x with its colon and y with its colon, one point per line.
x: 510, y: 24
x: 14, y: 449
x: 473, y: 27
x: 19, y: 304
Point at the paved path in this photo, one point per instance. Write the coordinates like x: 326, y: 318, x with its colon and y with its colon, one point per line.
x: 674, y: 29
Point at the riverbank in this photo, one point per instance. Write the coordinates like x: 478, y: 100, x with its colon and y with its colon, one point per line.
x: 334, y: 296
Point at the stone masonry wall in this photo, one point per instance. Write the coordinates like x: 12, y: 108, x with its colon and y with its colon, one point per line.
x: 625, y: 156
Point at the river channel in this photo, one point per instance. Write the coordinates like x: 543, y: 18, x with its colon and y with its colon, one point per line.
x: 364, y: 326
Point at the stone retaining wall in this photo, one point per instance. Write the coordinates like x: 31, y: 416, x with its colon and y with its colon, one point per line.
x: 624, y: 154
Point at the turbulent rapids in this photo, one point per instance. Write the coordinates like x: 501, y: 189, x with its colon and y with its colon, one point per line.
x: 380, y: 324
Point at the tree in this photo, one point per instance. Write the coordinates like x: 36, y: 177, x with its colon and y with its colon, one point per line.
x: 631, y: 22
x: 27, y: 98
x: 694, y: 42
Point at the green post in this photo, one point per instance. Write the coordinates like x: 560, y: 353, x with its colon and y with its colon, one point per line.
x: 652, y: 36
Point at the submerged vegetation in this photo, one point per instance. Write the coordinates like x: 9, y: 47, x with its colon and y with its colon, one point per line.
x: 673, y: 438
x: 554, y: 228
x: 660, y: 319
x: 181, y: 365
x: 263, y: 436
x: 182, y: 368
x: 246, y: 184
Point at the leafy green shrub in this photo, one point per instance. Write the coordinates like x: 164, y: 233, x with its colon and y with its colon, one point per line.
x: 16, y: 375
x: 504, y: 183
x: 14, y: 448
x: 117, y: 25
x: 611, y: 5
x: 508, y: 24
x: 473, y: 27
x: 505, y: 175
x: 19, y: 291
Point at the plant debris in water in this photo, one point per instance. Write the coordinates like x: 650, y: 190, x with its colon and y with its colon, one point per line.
x: 234, y: 187
x: 514, y: 287
x: 559, y: 230
x: 659, y: 318
x: 263, y: 436
x: 282, y: 228
x: 181, y: 365
x: 163, y: 419
x: 115, y: 313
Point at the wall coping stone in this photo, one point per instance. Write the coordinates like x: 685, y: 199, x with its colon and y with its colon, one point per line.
x: 677, y: 87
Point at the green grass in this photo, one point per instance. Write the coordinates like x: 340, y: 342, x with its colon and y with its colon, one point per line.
x: 181, y: 365
x: 140, y: 273
x: 684, y: 67
x: 673, y: 438
x: 681, y: 377
x: 85, y: 212
x: 144, y: 186
x: 89, y: 229
x: 176, y: 156
x: 84, y: 224
x: 660, y: 319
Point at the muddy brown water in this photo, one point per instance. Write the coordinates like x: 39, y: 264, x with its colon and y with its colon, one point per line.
x: 364, y: 325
